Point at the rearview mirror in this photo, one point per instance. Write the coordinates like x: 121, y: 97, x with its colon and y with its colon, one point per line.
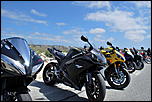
x: 108, y: 43
x: 117, y: 48
x: 101, y: 48
x: 84, y: 39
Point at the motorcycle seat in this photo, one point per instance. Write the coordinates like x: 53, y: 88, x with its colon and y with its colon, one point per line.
x: 60, y: 54
x: 56, y: 52
x: 57, y: 49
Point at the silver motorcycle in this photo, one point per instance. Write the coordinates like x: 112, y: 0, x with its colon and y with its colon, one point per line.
x: 19, y: 67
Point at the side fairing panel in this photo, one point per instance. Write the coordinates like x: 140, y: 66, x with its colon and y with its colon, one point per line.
x: 77, y: 67
x: 12, y: 66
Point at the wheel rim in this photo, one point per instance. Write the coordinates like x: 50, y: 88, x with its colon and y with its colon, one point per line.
x: 138, y: 63
x: 118, y: 80
x: 130, y: 67
x: 148, y: 60
x: 49, y: 75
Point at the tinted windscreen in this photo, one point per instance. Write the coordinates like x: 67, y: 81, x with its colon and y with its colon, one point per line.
x: 16, y: 48
x: 11, y: 52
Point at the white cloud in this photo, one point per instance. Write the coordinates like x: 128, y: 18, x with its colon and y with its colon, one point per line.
x: 135, y: 35
x: 80, y: 31
x: 93, y: 4
x: 12, y: 34
x: 111, y: 39
x: 53, y: 38
x: 33, y: 11
x: 121, y: 21
x: 98, y: 38
x: 142, y: 3
x: 74, y: 31
x: 38, y: 35
x: 61, y: 24
x: 148, y: 36
x: 46, y: 36
x: 97, y: 31
x: 41, y: 34
x: 20, y: 17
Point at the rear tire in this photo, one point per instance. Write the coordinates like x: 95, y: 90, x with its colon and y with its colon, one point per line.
x: 99, y: 88
x: 23, y: 97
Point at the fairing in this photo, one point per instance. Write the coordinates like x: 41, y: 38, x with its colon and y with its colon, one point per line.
x: 100, y: 56
x: 18, y: 57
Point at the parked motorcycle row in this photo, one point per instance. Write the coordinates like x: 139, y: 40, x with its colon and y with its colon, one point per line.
x: 89, y: 67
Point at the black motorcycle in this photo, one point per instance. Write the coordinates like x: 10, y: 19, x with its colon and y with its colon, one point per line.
x: 76, y: 69
x: 138, y: 59
x: 19, y: 66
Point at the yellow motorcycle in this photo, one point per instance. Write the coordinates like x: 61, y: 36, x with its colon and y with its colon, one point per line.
x: 115, y: 73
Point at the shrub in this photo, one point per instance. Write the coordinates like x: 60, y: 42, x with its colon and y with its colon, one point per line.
x: 48, y: 54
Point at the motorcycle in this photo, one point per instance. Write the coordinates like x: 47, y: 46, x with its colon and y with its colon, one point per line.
x: 19, y: 67
x: 131, y: 65
x: 116, y: 74
x: 138, y: 59
x: 76, y: 69
x: 146, y: 57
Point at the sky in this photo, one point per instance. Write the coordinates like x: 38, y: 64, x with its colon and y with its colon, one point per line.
x: 123, y: 23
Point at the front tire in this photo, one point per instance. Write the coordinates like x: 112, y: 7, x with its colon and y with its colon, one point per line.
x: 97, y: 90
x: 148, y: 60
x: 118, y: 82
x: 131, y: 67
x: 140, y: 65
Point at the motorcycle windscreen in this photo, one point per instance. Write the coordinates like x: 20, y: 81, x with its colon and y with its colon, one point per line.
x: 22, y: 47
x: 100, y: 56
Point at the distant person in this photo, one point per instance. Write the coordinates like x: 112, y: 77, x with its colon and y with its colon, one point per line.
x: 148, y: 52
x: 143, y: 51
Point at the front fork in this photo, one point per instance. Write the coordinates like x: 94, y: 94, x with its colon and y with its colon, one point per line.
x: 89, y: 78
x: 117, y: 68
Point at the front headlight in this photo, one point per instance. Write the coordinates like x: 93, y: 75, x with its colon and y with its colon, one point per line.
x: 107, y: 55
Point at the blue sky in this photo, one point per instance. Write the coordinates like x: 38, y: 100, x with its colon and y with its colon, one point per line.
x: 124, y: 23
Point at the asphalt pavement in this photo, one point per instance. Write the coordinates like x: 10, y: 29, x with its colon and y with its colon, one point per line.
x: 139, y: 89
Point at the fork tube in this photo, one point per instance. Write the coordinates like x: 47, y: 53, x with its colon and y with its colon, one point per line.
x: 116, y: 69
